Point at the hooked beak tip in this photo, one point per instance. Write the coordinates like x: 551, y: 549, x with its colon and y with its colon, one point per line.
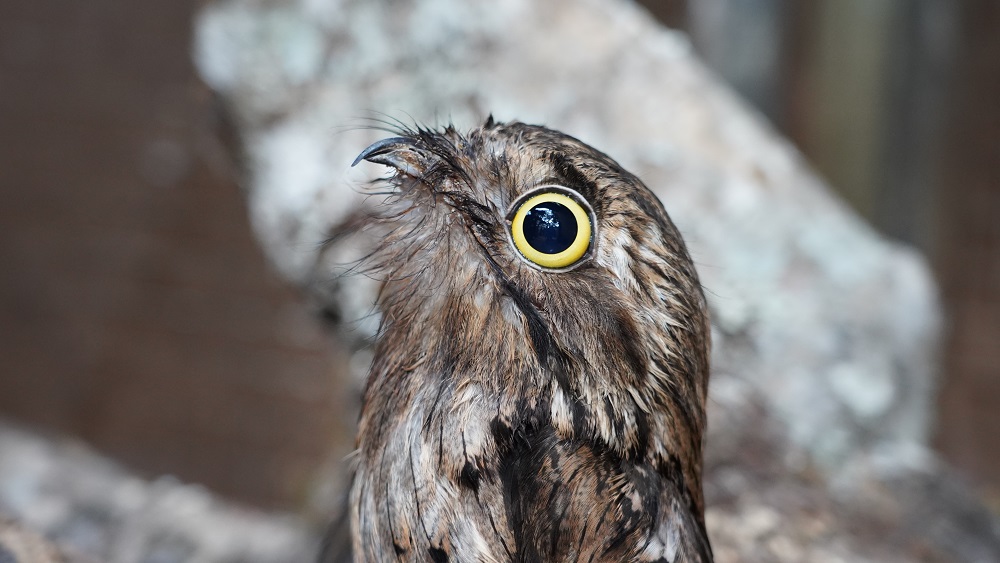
x: 380, y: 148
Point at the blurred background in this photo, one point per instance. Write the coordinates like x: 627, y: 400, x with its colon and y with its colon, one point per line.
x: 138, y: 313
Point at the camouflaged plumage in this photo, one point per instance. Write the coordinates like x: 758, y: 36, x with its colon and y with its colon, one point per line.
x: 517, y: 414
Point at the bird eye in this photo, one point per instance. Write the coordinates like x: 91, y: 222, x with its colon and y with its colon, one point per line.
x: 551, y: 229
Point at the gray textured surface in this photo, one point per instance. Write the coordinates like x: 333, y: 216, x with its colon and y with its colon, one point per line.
x: 89, y: 504
x: 834, y: 326
x: 825, y: 334
x: 758, y: 510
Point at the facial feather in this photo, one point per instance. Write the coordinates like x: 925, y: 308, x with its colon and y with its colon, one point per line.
x: 503, y: 381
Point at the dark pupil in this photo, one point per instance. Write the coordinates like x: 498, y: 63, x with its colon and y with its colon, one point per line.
x: 550, y: 227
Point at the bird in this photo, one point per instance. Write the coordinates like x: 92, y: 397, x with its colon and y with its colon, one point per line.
x: 540, y: 372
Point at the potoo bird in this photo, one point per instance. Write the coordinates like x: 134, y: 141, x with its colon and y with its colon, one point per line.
x: 538, y: 386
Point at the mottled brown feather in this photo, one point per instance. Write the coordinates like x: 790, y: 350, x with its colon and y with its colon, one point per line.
x: 518, y: 414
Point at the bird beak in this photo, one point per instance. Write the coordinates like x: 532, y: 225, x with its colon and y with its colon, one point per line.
x: 401, y: 153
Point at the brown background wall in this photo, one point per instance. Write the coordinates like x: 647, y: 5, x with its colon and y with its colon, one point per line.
x: 137, y: 312
x: 968, y: 249
x: 135, y: 307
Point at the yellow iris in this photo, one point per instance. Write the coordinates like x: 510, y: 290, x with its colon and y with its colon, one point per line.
x: 551, y: 230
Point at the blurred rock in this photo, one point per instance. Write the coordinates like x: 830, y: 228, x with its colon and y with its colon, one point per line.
x: 758, y: 512
x: 21, y: 545
x: 826, y: 334
x: 93, y: 507
x: 834, y: 325
x: 767, y: 503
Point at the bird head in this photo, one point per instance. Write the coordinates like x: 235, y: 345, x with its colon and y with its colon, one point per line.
x: 529, y: 273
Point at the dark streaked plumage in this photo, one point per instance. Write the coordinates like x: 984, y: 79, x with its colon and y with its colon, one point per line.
x: 514, y: 413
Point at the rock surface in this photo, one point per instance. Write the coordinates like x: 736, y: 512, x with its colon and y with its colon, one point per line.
x: 759, y: 512
x: 101, y: 512
x: 833, y: 325
x: 825, y: 333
